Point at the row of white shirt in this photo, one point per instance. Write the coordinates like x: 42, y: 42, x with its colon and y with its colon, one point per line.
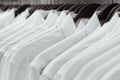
x: 54, y: 48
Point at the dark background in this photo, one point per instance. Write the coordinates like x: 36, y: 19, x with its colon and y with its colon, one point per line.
x: 56, y: 1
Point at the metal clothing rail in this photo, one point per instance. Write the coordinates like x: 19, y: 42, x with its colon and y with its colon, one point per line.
x: 21, y: 2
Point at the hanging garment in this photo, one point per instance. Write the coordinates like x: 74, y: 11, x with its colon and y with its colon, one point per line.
x: 36, y: 46
x: 17, y: 21
x: 5, y: 44
x: 49, y: 71
x: 62, y: 16
x: 26, y: 32
x: 33, y: 36
x: 47, y: 44
x: 7, y: 18
x: 92, y: 54
x: 54, y: 50
x: 29, y: 32
x: 96, y: 63
x: 12, y: 31
x: 81, y: 74
x: 7, y: 53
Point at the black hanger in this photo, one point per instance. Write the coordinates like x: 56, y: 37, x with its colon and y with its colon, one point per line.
x: 102, y: 7
x: 67, y: 6
x: 56, y: 6
x: 21, y: 9
x: 47, y: 7
x: 43, y: 7
x: 72, y: 8
x: 87, y: 11
x: 4, y: 7
x: 112, y: 12
x: 60, y: 8
x: 78, y: 8
x: 104, y: 13
x: 51, y: 7
x: 39, y: 6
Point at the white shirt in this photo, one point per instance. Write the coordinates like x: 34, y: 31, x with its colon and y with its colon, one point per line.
x: 8, y: 52
x: 18, y: 20
x: 55, y: 50
x: 30, y: 50
x: 21, y: 18
x: 97, y: 62
x: 9, y: 41
x: 7, y: 18
x: 81, y: 74
x: 114, y: 32
x: 89, y: 68
x: 14, y: 38
x: 51, y: 16
x: 88, y: 55
x: 17, y: 28
x: 39, y: 30
x: 15, y: 41
x: 71, y: 62
x: 55, y: 65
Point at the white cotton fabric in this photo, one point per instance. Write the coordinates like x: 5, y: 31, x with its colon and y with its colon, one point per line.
x: 49, y: 45
x: 53, y: 52
x: 55, y: 65
x: 79, y: 59
x: 85, y: 72
x: 7, y: 18
x: 113, y: 74
x: 63, y: 69
x: 21, y: 18
x: 93, y: 65
x: 30, y: 76
x: 97, y: 74
x: 11, y: 39
x: 80, y: 26
x: 7, y: 54
x: 21, y: 34
x: 42, y: 29
x: 17, y: 21
x: 34, y: 48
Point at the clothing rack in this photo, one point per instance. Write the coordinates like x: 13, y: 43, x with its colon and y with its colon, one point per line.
x: 82, y: 10
x: 36, y: 2
x: 59, y: 41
